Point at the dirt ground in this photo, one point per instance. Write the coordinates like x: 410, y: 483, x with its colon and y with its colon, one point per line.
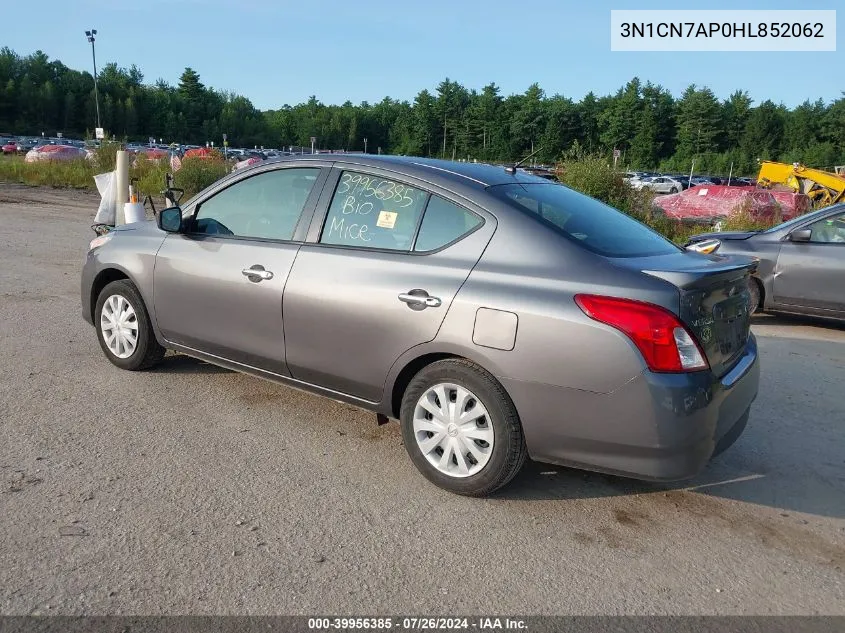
x: 190, y: 489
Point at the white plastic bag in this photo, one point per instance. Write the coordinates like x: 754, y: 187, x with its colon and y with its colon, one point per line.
x: 107, y: 212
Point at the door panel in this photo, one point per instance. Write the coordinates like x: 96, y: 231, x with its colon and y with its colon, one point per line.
x: 345, y: 324
x: 811, y: 275
x: 218, y: 287
x: 204, y: 300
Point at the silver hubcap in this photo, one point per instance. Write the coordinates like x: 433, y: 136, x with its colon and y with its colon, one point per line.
x: 453, y: 430
x: 119, y: 325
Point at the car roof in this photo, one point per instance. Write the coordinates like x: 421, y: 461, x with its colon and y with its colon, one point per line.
x: 478, y: 175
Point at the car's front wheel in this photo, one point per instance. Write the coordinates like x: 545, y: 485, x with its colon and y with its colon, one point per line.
x: 461, y: 429
x: 673, y: 190
x: 123, y: 327
x: 755, y: 291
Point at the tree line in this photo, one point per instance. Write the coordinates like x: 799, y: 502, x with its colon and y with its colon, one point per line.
x: 648, y: 125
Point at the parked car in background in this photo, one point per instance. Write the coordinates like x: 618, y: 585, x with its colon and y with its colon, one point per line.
x: 658, y: 184
x: 700, y: 180
x: 10, y: 147
x: 24, y: 145
x: 54, y: 153
x: 684, y: 179
x: 802, y: 262
x: 495, y: 314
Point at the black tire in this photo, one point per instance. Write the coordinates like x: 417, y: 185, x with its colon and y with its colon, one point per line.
x: 509, y: 451
x: 147, y: 352
x: 754, y: 304
x: 673, y: 190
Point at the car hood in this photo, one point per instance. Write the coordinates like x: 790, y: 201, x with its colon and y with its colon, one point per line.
x: 722, y: 235
x: 145, y: 227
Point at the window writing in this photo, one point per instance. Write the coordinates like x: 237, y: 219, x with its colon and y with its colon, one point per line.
x: 373, y: 212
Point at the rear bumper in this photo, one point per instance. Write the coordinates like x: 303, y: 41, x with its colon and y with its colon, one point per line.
x: 661, y: 427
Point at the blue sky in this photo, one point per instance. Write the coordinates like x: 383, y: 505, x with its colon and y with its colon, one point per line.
x: 280, y: 51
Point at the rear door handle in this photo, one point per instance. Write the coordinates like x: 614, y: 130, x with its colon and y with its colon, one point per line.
x: 257, y: 273
x: 419, y: 299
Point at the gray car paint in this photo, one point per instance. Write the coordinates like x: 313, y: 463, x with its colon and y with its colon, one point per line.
x: 795, y: 277
x: 581, y: 388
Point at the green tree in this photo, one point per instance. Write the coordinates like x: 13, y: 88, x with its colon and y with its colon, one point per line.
x: 699, y: 123
x: 619, y: 119
x: 763, y: 136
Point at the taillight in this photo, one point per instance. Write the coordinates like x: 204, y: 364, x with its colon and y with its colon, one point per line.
x: 664, y: 342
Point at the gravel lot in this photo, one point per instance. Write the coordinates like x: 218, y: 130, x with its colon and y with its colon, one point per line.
x: 192, y: 489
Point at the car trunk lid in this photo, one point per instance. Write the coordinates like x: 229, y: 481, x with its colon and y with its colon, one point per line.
x: 714, y: 300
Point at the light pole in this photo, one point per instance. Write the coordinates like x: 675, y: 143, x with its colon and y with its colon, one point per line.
x: 365, y: 144
x: 90, y: 35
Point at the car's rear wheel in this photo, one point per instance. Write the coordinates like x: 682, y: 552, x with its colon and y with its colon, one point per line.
x: 461, y: 429
x: 123, y: 327
x: 673, y: 190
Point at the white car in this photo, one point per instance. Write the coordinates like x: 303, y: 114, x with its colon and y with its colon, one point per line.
x: 658, y: 184
x: 631, y: 176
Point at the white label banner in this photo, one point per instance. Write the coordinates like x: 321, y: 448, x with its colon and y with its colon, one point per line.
x: 723, y: 30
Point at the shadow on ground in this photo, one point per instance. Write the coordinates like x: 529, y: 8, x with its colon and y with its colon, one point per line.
x: 792, y: 320
x: 789, y: 457
x: 181, y: 364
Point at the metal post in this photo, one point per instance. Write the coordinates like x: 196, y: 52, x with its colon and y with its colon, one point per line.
x: 121, y: 190
x: 730, y: 173
x: 90, y: 34
x: 365, y: 144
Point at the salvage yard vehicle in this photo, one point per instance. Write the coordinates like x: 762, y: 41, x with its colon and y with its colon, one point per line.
x: 658, y: 184
x: 824, y: 188
x: 495, y: 314
x: 801, y: 266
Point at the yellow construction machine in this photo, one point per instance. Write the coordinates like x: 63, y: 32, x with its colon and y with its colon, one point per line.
x: 824, y: 188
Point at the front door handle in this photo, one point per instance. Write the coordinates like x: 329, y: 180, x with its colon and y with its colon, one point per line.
x: 257, y: 273
x: 419, y: 299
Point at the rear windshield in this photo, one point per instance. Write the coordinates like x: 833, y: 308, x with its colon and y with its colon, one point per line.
x: 592, y: 224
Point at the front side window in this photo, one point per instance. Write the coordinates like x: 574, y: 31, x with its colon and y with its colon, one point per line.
x: 829, y: 231
x: 592, y: 224
x: 265, y: 206
x: 373, y: 212
x: 443, y: 223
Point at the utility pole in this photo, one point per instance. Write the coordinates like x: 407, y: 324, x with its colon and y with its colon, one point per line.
x: 90, y: 35
x: 444, y: 131
x: 365, y: 144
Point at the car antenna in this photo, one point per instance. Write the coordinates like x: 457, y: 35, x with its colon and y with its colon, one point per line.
x: 511, y: 169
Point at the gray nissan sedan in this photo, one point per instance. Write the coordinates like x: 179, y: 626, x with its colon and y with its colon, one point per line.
x: 801, y: 262
x: 496, y: 315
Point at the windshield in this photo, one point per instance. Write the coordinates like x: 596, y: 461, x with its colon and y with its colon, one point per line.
x: 799, y: 219
x: 592, y: 224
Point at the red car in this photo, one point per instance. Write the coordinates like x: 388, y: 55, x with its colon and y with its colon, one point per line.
x: 10, y: 148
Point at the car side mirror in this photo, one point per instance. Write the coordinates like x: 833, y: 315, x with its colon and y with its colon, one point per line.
x: 800, y: 235
x: 170, y: 219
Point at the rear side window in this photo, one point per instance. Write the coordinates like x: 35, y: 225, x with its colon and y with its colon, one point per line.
x: 592, y: 224
x: 373, y: 212
x: 443, y: 223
